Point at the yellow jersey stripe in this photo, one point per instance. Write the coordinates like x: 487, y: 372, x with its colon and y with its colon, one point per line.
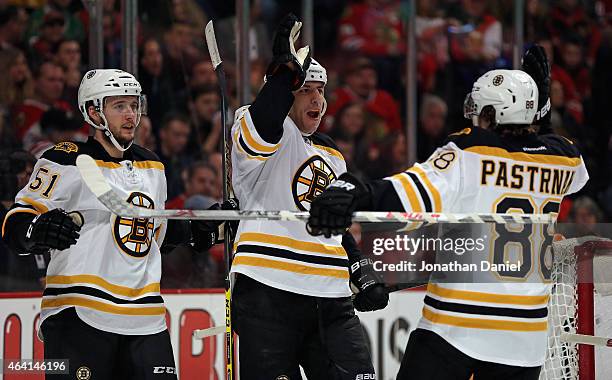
x: 108, y: 165
x: 329, y: 150
x: 468, y: 295
x: 487, y: 324
x: 137, y: 164
x: 237, y: 143
x: 99, y: 281
x: 149, y: 165
x: 100, y: 306
x: 526, y: 157
x: 290, y: 267
x: 291, y: 243
x: 248, y: 138
x: 15, y: 211
x: 415, y: 205
x: 37, y: 205
x: 437, y: 200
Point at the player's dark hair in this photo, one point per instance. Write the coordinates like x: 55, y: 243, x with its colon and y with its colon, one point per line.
x: 516, y: 130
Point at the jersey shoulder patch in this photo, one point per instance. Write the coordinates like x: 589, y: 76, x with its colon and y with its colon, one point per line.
x: 65, y: 152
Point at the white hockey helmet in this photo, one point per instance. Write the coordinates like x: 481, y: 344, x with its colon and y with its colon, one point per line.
x: 316, y: 72
x: 96, y: 85
x: 512, y: 93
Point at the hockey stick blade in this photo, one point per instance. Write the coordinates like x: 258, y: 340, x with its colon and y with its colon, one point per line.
x: 586, y: 339
x: 211, y: 331
x: 92, y: 175
x: 211, y: 42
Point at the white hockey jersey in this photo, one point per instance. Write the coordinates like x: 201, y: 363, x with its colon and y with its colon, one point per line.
x: 505, y: 320
x: 112, y: 274
x: 286, y: 176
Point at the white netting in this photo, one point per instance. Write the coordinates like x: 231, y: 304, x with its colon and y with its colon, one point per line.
x: 563, y: 311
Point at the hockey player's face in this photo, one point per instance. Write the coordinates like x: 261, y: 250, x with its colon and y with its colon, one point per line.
x: 122, y: 114
x: 307, y: 107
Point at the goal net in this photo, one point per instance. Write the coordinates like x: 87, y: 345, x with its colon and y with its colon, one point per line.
x: 580, y: 303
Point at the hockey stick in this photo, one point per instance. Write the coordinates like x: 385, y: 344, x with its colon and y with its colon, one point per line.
x: 586, y: 339
x: 205, y: 333
x: 215, y: 57
x: 95, y: 180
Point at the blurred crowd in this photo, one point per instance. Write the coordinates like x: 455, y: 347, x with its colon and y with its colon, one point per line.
x: 44, y: 51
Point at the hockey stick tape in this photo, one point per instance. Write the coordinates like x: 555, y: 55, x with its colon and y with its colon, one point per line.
x: 77, y: 218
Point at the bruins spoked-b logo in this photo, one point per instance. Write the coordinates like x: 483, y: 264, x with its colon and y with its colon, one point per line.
x: 498, y: 80
x: 310, y: 180
x: 134, y: 235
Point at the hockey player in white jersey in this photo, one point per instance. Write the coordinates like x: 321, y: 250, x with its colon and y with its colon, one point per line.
x: 292, y: 301
x: 488, y: 330
x: 101, y: 307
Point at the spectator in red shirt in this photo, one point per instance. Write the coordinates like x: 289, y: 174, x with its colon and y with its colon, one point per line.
x: 572, y: 62
x: 570, y: 16
x: 571, y: 98
x: 361, y: 87
x: 199, y: 178
x: 48, y: 88
x: 373, y: 27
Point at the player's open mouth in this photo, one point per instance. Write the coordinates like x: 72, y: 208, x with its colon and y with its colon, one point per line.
x: 313, y: 114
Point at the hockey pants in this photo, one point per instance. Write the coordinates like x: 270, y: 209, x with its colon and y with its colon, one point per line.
x: 99, y: 355
x: 429, y: 357
x: 280, y: 331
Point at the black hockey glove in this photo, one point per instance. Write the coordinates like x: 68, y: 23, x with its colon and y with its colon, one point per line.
x: 370, y: 290
x: 207, y: 233
x: 55, y: 229
x: 284, y: 52
x: 331, y: 212
x: 535, y: 63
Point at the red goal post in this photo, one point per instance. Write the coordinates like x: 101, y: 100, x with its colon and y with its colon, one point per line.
x: 572, y: 307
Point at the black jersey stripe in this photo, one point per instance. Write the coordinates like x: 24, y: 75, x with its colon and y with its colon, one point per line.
x: 486, y: 310
x: 424, y: 195
x: 249, y: 151
x: 286, y: 254
x: 86, y: 290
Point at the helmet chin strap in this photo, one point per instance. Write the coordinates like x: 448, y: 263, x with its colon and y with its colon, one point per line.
x: 114, y: 141
x: 110, y: 136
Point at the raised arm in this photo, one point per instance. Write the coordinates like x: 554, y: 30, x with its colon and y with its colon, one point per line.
x: 286, y: 73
